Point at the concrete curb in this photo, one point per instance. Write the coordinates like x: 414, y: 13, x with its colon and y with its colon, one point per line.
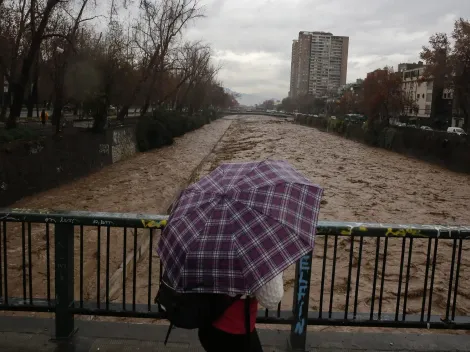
x: 33, y: 334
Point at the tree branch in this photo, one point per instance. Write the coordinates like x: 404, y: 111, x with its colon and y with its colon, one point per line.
x: 58, y: 35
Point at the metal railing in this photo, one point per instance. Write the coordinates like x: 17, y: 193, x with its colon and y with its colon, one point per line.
x: 359, y: 274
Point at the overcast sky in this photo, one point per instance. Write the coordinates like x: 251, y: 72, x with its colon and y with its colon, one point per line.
x: 252, y: 38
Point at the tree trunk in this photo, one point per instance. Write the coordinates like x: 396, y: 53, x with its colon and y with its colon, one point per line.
x: 6, y: 103
x: 49, y: 102
x: 57, y: 112
x: 31, y: 100
x: 144, y: 77
x: 125, y: 108
x: 123, y: 112
x: 145, y: 107
x: 466, y: 125
x: 101, y: 114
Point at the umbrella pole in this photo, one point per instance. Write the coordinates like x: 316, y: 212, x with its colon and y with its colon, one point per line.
x: 168, y: 333
x: 247, y: 321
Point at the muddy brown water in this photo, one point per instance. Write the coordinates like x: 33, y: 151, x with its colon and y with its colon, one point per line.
x: 364, y: 184
x: 360, y: 183
x: 145, y: 183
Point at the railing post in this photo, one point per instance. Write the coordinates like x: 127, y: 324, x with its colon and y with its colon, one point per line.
x: 298, y: 334
x: 64, y: 280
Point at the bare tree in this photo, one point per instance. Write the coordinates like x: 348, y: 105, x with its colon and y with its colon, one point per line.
x: 384, y: 98
x: 461, y: 69
x: 14, y: 20
x: 47, y: 42
x: 158, y: 29
x: 20, y: 81
x: 448, y: 67
x: 65, y: 45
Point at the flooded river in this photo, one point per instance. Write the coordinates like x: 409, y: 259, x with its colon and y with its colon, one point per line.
x: 361, y: 183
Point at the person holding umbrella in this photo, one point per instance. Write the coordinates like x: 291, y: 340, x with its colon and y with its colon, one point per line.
x: 229, y: 332
x: 234, y: 233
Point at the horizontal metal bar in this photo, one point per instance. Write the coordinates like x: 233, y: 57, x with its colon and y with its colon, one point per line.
x: 141, y: 311
x: 387, y: 320
x: 20, y: 304
x: 157, y: 221
x: 391, y: 230
x: 285, y: 317
x: 84, y: 218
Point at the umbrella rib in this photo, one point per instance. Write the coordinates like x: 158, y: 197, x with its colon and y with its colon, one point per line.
x: 308, y: 248
x: 286, y: 226
x: 269, y: 216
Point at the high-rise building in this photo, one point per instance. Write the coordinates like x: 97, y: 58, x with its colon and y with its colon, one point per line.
x: 294, y: 69
x: 319, y: 64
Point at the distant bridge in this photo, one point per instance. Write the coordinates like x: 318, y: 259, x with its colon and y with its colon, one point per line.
x: 260, y: 113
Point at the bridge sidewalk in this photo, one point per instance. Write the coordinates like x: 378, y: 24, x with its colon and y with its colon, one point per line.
x: 34, y: 334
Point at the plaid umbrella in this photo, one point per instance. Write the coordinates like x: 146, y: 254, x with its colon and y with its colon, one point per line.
x: 238, y: 227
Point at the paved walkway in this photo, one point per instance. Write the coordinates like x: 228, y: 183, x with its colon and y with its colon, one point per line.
x: 34, y: 334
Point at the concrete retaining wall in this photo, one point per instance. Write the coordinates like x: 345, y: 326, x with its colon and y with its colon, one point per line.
x: 446, y: 149
x: 28, y: 167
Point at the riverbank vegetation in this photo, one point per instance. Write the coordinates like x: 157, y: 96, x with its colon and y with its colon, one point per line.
x: 95, y: 59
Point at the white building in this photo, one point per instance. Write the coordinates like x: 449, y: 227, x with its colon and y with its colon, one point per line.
x: 420, y: 92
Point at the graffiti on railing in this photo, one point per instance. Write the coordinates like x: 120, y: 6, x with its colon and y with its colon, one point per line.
x: 153, y: 223
x: 302, y: 289
x: 102, y: 223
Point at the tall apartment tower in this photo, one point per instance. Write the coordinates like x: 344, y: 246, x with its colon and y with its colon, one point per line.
x: 319, y: 64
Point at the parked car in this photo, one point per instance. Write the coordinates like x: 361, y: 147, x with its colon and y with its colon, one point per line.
x: 427, y: 128
x: 68, y: 108
x: 457, y: 130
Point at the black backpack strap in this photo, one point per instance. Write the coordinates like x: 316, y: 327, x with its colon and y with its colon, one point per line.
x: 247, y: 320
x: 168, y: 333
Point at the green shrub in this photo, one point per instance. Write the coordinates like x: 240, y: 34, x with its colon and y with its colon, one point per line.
x: 158, y: 129
x: 151, y: 133
x: 386, y: 137
x: 336, y: 125
x: 20, y: 132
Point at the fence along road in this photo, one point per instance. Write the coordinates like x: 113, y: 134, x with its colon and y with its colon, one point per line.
x: 360, y: 183
x: 65, y: 297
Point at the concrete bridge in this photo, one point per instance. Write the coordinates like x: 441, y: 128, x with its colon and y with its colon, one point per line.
x: 372, y: 279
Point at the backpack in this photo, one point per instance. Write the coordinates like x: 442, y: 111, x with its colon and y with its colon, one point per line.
x: 193, y: 310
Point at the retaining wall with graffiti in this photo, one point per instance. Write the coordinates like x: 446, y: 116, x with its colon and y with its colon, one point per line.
x: 28, y: 167
x: 123, y: 144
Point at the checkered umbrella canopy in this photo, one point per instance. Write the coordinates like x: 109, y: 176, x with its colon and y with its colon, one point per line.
x: 238, y: 227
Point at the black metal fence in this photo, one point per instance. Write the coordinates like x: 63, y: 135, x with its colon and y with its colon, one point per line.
x: 104, y: 264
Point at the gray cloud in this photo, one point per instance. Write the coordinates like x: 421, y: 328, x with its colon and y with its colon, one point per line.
x: 252, y: 38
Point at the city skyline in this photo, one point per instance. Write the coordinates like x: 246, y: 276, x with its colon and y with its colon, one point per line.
x: 252, y: 39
